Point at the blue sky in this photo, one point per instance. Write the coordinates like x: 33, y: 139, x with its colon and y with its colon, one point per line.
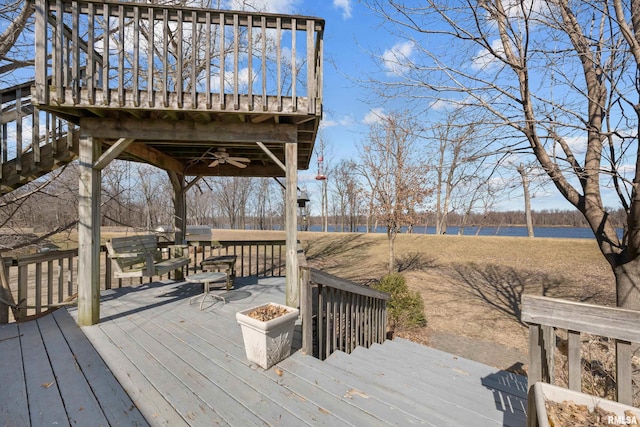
x: 351, y: 34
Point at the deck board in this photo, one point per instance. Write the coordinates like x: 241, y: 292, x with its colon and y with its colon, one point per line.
x: 181, y: 366
x: 81, y: 406
x: 45, y: 403
x: 13, y: 393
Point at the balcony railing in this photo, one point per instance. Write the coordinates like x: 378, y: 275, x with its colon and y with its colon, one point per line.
x: 109, y: 54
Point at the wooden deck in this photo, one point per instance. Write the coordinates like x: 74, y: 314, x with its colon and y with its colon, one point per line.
x: 183, y: 366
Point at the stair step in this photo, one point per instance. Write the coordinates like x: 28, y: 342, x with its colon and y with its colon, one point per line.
x: 437, y: 390
x: 346, y: 390
x: 420, y: 358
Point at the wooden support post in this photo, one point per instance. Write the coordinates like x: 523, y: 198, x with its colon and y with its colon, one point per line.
x: 291, y: 225
x: 88, y: 232
x: 180, y: 212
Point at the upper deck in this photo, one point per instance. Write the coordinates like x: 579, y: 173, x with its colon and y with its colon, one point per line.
x: 241, y: 77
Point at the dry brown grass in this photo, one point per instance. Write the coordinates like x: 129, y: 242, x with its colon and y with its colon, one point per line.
x: 472, y: 285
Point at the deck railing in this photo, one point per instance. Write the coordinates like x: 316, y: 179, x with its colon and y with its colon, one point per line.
x: 140, y: 55
x: 339, y: 315
x: 544, y: 315
x: 49, y: 279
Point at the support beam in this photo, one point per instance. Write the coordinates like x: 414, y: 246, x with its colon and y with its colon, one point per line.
x: 273, y: 157
x: 180, y: 211
x: 88, y: 232
x: 168, y: 130
x: 291, y: 225
x: 114, y: 151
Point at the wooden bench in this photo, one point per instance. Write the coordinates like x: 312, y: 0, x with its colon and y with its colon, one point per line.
x: 138, y: 256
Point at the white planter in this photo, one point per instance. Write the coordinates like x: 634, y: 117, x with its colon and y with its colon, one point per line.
x: 554, y: 393
x: 267, y: 343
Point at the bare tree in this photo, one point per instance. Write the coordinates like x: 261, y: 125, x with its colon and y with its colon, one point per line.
x: 456, y: 159
x: 16, y: 49
x: 393, y: 160
x: 561, y: 75
x: 232, y: 195
x: 346, y: 188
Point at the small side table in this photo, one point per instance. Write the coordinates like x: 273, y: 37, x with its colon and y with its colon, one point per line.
x: 207, y: 278
x: 219, y: 262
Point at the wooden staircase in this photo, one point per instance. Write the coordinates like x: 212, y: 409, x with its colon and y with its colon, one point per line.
x: 415, y: 384
x: 33, y: 143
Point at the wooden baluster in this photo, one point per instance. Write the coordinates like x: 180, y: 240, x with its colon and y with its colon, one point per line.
x: 279, y: 62
x: 311, y: 96
x: 91, y: 57
x: 150, y: 66
x: 75, y: 53
x: 59, y: 73
x: 263, y: 28
x: 179, y: 79
x: 41, y: 71
x: 195, y: 48
x: 35, y: 134
x: 574, y: 360
x: 136, y: 56
x: 294, y: 71
x: 165, y: 58
x: 250, y: 62
x: 23, y: 288
x: 70, y: 276
x: 207, y: 55
x: 38, y: 289
x: 222, y: 55
x: 19, y: 130
x: 121, y: 78
x: 236, y: 60
x: 49, y: 282
x: 624, y: 390
x: 106, y: 94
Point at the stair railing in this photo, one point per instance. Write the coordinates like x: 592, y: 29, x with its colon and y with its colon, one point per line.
x: 32, y: 142
x: 339, y: 315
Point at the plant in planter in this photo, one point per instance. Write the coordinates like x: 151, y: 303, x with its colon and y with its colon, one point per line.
x: 267, y: 331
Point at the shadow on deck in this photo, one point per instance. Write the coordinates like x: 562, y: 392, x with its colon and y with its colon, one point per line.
x: 182, y: 366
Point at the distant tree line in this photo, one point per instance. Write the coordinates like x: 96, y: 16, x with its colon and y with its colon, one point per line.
x: 139, y: 196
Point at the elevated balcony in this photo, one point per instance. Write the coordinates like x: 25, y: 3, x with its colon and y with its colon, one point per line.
x: 182, y: 82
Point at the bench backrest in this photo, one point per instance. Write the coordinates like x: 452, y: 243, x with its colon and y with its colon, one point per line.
x: 132, y: 250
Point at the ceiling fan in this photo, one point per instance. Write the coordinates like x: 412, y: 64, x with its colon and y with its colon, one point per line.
x: 220, y: 157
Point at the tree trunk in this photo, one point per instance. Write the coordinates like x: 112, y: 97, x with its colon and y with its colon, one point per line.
x: 628, y: 284
x: 527, y: 200
x: 391, y: 235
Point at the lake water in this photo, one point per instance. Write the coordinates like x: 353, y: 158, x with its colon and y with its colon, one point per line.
x: 558, y: 232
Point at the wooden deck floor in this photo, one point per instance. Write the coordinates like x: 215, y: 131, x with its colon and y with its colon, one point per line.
x: 183, y: 366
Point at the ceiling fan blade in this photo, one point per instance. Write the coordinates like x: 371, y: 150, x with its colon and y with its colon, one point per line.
x: 240, y: 159
x: 215, y: 163
x: 235, y: 163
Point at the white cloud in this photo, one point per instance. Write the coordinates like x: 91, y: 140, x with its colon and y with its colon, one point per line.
x: 396, y: 59
x: 345, y: 5
x: 374, y: 116
x: 342, y: 121
x: 485, y: 59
